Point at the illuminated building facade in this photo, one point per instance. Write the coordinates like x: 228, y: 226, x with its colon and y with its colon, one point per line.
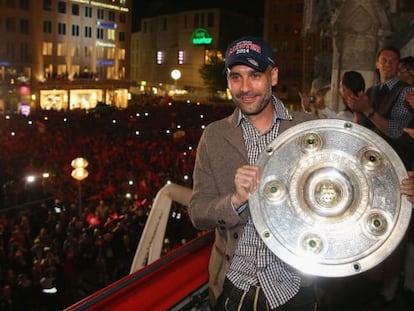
x: 65, y: 54
x: 184, y: 41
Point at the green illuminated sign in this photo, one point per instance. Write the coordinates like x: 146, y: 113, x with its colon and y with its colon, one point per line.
x: 201, y: 36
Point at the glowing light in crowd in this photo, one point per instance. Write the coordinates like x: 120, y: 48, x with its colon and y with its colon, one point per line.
x: 93, y: 220
x: 79, y: 163
x: 31, y: 178
x: 79, y: 173
x: 50, y: 291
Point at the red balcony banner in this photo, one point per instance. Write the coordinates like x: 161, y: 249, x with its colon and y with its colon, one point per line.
x: 158, y: 286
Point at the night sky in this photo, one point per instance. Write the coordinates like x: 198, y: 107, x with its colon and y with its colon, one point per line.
x: 146, y: 8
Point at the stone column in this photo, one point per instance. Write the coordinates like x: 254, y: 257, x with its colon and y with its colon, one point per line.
x: 359, y: 29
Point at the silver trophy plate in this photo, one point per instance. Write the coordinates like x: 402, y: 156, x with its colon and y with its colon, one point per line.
x: 329, y: 201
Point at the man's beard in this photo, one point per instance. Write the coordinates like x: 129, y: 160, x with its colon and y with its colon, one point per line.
x: 263, y: 104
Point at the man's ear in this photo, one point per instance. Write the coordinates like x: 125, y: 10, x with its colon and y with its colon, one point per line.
x: 275, y: 76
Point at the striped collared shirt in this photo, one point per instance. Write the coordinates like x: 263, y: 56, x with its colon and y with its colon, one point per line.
x: 253, y: 263
x: 400, y: 112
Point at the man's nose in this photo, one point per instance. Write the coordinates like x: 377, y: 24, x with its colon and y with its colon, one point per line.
x: 245, y: 85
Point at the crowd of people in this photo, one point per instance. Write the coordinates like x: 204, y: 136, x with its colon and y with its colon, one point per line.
x: 61, y: 240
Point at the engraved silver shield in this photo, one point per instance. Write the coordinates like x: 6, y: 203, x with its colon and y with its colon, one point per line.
x: 329, y: 201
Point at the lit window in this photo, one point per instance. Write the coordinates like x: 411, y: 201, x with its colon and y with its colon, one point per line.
x: 180, y: 57
x: 160, y: 58
x: 121, y: 54
x: 61, y: 70
x: 111, y: 34
x: 111, y: 53
x: 60, y: 49
x: 47, y: 48
x: 110, y: 73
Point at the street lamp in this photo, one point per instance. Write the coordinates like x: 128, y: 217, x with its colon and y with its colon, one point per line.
x: 79, y: 173
x: 175, y: 74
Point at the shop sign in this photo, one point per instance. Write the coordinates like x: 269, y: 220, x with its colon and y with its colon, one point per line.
x: 201, y: 36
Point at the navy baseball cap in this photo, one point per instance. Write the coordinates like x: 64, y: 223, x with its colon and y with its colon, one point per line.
x: 250, y: 51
